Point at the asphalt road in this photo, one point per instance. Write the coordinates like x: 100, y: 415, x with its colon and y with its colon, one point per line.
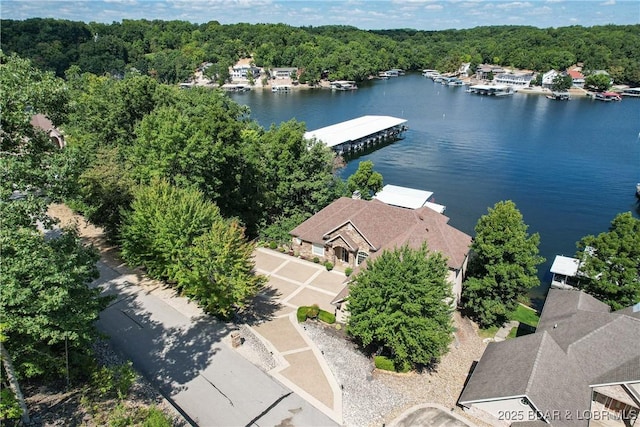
x: 185, y: 357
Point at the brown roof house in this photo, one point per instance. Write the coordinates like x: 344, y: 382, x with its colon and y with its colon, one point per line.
x: 580, y: 368
x: 349, y: 231
x: 42, y: 122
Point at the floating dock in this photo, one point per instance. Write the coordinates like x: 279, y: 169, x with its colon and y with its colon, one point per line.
x: 359, y: 134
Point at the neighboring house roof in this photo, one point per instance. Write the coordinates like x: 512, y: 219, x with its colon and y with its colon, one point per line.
x: 578, y: 344
x: 575, y: 74
x: 535, y: 368
x: 42, y: 122
x: 384, y: 226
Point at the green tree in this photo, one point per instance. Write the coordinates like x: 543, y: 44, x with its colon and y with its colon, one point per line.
x: 611, y: 262
x: 219, y: 271
x: 598, y: 82
x: 503, y: 264
x: 45, y: 303
x: 562, y: 82
x: 162, y: 225
x: 365, y: 180
x: 299, y: 173
x: 400, y: 307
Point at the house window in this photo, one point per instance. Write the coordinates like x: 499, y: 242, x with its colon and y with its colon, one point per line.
x: 317, y: 249
x: 362, y: 256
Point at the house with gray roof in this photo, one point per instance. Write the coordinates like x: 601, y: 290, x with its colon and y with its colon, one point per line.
x: 350, y: 231
x: 580, y: 368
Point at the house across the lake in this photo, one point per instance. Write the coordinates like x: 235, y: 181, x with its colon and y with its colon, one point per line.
x: 580, y: 368
x: 350, y: 231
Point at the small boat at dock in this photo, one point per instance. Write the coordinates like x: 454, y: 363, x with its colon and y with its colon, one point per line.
x: 281, y: 88
x: 607, y: 96
x: 632, y: 92
x: 559, y: 96
x: 344, y: 85
x: 638, y: 190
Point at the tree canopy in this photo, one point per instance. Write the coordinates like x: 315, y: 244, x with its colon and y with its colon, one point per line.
x: 610, y: 266
x: 179, y: 236
x: 502, y: 266
x: 170, y: 51
x: 365, y: 180
x: 45, y: 303
x: 399, y: 305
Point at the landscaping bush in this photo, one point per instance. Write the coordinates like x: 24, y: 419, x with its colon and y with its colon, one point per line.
x: 348, y: 271
x: 328, y: 265
x: 327, y: 317
x: 273, y: 245
x: 316, y: 259
x: 313, y: 312
x: 383, y: 363
x: 301, y: 314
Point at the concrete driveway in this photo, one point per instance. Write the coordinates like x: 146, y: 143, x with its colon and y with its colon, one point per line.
x: 183, y: 352
x: 292, y: 283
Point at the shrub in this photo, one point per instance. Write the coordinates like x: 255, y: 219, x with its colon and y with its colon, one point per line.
x: 328, y: 266
x: 273, y: 245
x: 114, y: 379
x: 348, y: 271
x: 383, y: 363
x: 156, y: 418
x: 301, y: 314
x: 316, y: 259
x: 313, y: 312
x: 327, y: 317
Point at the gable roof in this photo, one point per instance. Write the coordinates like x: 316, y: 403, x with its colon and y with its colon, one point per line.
x: 578, y: 343
x: 384, y: 227
x: 537, y: 371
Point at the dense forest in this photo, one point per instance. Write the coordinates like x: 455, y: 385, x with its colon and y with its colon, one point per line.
x: 170, y: 51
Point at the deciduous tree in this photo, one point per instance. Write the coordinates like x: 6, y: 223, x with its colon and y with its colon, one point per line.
x: 503, y: 264
x: 365, y: 180
x: 399, y: 306
x: 611, y: 262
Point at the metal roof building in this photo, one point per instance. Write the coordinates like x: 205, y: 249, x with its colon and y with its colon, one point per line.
x: 405, y: 197
x: 358, y: 133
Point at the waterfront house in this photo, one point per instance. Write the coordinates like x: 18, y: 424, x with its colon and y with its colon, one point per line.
x: 349, y: 231
x: 284, y: 73
x: 517, y: 81
x: 244, y: 69
x: 548, y: 78
x: 581, y: 366
x: 577, y: 77
x: 486, y: 71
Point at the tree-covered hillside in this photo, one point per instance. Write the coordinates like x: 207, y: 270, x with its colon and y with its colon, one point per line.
x: 172, y: 50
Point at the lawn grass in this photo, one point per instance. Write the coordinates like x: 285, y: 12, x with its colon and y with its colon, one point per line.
x: 525, y: 315
x: 490, y: 332
x: 512, y: 333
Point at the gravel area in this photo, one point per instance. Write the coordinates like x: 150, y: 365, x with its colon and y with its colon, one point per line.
x: 254, y: 350
x: 366, y: 398
x: 374, y: 397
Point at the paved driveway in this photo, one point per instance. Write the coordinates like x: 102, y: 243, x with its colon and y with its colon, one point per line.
x: 293, y: 283
x: 185, y: 354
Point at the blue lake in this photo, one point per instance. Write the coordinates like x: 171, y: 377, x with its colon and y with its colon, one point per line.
x: 570, y: 167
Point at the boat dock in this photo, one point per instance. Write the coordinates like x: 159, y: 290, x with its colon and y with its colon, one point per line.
x: 359, y: 134
x: 491, y: 90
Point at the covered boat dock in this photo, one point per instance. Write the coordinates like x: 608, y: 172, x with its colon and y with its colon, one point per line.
x: 359, y: 134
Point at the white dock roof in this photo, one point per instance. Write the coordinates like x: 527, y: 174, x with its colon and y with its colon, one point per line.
x: 403, y: 197
x: 565, y: 265
x: 354, y: 129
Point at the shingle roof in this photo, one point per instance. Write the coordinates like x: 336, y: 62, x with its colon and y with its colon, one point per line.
x: 578, y: 343
x: 385, y: 226
x: 537, y: 369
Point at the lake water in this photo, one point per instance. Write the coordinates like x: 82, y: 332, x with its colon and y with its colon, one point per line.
x: 570, y: 167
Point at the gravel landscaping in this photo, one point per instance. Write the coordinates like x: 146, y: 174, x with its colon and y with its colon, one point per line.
x: 374, y: 397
